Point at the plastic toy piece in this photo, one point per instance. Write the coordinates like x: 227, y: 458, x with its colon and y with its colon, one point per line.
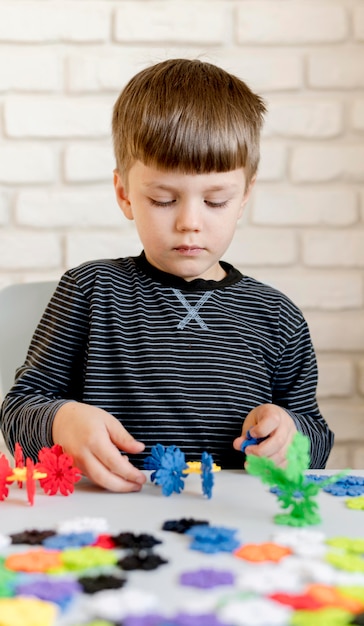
x: 168, y: 464
x: 183, y: 525
x: 55, y: 472
x: 5, y: 472
x: 170, y: 468
x: 293, y: 490
x: 207, y: 578
x: 355, y: 503
x: 261, y: 552
x: 24, y: 611
x: 213, y: 539
x: 61, y: 474
x: 251, y: 441
x: 19, y: 460
x: 206, y: 468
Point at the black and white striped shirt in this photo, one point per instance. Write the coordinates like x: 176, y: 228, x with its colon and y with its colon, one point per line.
x: 176, y: 362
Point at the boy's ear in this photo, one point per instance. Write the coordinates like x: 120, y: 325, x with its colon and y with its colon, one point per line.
x: 122, y: 196
x: 247, y: 194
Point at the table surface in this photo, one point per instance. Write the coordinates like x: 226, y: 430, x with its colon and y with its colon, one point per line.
x: 239, y: 501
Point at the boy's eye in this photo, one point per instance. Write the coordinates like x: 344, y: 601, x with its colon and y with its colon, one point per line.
x: 216, y: 205
x: 160, y: 203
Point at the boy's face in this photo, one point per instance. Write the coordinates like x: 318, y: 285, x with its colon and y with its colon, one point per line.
x: 185, y: 221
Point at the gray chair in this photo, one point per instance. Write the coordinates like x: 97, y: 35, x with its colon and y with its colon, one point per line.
x: 21, y: 307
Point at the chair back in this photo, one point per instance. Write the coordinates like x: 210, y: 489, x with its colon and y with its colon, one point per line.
x: 21, y: 307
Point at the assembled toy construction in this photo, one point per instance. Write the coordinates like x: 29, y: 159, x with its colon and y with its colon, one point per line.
x: 294, y: 490
x: 54, y: 470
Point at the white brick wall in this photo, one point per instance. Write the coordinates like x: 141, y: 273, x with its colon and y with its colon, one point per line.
x: 62, y: 65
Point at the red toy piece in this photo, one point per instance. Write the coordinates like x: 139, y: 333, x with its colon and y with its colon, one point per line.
x: 5, y: 472
x: 30, y: 481
x: 61, y: 473
x: 19, y: 460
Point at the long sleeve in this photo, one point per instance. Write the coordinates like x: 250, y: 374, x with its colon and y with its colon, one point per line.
x: 294, y: 389
x: 51, y: 373
x: 176, y: 363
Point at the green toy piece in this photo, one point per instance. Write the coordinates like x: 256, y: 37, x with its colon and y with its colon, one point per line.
x: 290, y: 484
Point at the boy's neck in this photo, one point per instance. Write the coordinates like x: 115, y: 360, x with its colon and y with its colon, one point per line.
x: 232, y: 275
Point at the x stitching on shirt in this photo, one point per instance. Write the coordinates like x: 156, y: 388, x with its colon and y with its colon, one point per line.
x: 192, y: 313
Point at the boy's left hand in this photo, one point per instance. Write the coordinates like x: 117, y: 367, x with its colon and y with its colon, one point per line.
x: 273, y: 422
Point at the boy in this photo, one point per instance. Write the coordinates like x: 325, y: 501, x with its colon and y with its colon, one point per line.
x: 174, y: 346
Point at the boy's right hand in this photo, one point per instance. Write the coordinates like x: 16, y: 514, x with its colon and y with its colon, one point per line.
x: 94, y: 438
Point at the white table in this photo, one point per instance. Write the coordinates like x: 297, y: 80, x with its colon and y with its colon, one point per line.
x: 239, y: 501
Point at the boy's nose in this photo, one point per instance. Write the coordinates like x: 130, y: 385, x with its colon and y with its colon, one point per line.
x: 188, y: 218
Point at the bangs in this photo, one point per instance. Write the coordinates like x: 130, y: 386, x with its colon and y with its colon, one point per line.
x: 190, y: 143
x: 188, y: 116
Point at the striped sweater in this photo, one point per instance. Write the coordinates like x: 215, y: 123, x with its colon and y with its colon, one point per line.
x: 176, y: 362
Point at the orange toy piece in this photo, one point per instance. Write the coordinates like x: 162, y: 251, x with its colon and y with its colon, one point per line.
x: 40, y: 560
x: 259, y: 552
x: 330, y: 596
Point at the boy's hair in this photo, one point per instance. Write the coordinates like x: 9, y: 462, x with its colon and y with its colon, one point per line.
x: 190, y: 116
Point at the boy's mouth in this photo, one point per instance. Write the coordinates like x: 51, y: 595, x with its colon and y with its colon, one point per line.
x: 189, y: 250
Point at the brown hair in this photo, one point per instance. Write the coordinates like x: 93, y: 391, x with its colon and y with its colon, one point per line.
x: 190, y: 116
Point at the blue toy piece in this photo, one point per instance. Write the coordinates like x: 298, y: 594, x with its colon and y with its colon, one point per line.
x: 251, y: 441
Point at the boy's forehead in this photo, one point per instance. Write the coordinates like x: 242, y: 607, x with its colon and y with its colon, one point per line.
x: 151, y: 176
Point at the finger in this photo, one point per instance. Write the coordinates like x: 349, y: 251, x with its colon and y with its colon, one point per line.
x: 122, y: 438
x: 237, y: 443
x: 98, y: 473
x: 269, y: 449
x: 265, y: 427
x: 119, y: 464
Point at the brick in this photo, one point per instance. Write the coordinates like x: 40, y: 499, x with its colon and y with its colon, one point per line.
x: 26, y: 163
x: 274, y: 205
x: 272, y: 164
x: 171, y: 22
x: 361, y: 376
x: 327, y: 163
x: 326, y: 291
x: 357, y: 115
x: 358, y: 24
x: 345, y: 418
x: 344, y: 248
x: 82, y: 247
x: 103, y: 70
x: 304, y: 119
x: 259, y: 246
x: 27, y: 69
x: 89, y: 163
x: 42, y: 22
x: 336, y: 378
x: 68, y: 208
x: 4, y: 209
x: 57, y: 117
x: 340, y: 70
x: 20, y: 250
x: 99, y: 71
x: 263, y: 22
x: 341, y: 331
x: 263, y: 71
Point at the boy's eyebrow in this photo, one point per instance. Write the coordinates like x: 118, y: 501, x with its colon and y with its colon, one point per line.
x: 166, y: 187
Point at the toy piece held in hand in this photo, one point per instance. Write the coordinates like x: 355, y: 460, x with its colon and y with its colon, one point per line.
x: 251, y: 441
